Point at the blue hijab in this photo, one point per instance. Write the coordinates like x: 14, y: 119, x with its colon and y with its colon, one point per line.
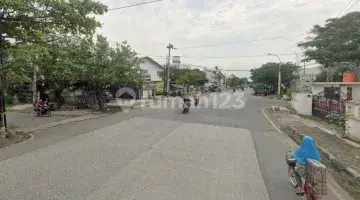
x: 307, y: 149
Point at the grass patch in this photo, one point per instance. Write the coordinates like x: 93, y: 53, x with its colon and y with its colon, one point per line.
x: 13, y: 138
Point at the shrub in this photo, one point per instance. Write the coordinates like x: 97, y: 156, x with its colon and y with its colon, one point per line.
x: 337, y: 120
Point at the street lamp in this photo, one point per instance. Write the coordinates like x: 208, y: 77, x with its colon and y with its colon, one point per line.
x: 279, y: 79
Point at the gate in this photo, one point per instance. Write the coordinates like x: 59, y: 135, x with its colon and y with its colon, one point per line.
x: 329, y: 101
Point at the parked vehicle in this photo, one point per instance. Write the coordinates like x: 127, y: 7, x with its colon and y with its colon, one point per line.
x: 186, y: 105
x: 261, y: 89
x: 44, y: 109
x: 314, y: 189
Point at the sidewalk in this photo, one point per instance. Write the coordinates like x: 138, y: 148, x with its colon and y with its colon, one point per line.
x: 342, y: 157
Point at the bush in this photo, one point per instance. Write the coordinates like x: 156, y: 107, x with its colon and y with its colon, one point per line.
x: 337, y: 120
x: 289, y: 94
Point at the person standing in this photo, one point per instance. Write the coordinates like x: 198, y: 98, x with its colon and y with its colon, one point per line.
x: 196, y: 98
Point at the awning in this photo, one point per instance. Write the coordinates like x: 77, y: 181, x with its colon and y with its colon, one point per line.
x: 177, y: 86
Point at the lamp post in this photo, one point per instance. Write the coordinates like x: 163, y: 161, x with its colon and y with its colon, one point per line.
x: 279, y: 76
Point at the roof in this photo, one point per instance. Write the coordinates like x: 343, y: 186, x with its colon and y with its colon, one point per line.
x: 178, y: 86
x: 152, y: 61
x: 336, y: 83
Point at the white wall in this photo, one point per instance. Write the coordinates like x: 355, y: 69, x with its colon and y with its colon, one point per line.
x: 317, y: 88
x: 152, y: 69
x: 302, y: 103
x: 353, y: 119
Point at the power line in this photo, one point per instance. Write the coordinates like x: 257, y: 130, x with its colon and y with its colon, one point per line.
x: 223, y: 57
x: 351, y: 6
x: 343, y: 9
x: 134, y: 5
x: 239, y: 42
x: 352, y: 2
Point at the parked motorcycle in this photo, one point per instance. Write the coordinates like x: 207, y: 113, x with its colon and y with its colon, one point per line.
x: 45, y: 110
x: 186, y: 106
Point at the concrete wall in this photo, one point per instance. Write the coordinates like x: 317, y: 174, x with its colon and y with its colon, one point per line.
x: 152, y: 69
x: 353, y: 120
x: 302, y: 103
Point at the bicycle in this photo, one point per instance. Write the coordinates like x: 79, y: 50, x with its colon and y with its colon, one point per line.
x: 311, y: 189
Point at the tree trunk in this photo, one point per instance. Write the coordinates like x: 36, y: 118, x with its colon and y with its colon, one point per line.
x: 100, y: 99
x: 59, y: 98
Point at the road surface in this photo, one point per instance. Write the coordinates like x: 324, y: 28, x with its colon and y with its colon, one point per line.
x: 213, y: 152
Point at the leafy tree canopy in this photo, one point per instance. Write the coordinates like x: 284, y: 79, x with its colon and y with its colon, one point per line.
x: 39, y: 20
x: 335, y: 42
x: 268, y: 74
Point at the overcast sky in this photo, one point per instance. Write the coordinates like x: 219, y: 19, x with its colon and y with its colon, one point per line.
x: 193, y: 23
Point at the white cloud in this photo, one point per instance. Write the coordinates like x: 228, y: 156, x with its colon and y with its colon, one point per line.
x: 184, y: 23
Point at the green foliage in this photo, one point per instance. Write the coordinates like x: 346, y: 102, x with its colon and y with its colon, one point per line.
x: 101, y: 65
x: 218, y: 76
x: 338, y: 120
x: 268, y: 74
x: 159, y: 87
x: 335, y: 42
x: 289, y: 94
x: 189, y: 77
x: 39, y: 20
x: 235, y: 81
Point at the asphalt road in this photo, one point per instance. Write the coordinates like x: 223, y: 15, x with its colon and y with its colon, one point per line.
x: 225, y: 149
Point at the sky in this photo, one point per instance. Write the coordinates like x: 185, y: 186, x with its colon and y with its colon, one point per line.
x: 192, y: 24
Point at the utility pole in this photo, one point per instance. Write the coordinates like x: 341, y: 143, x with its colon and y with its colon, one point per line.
x: 2, y: 85
x: 170, y: 46
x: 34, y: 86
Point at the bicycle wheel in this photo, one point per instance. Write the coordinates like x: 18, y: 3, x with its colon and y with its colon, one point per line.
x: 309, y: 192
x: 292, y: 177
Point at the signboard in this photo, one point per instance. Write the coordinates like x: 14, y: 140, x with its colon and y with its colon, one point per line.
x: 176, y: 59
x: 147, y: 76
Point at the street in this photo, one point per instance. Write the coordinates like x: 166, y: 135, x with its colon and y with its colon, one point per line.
x: 209, y: 153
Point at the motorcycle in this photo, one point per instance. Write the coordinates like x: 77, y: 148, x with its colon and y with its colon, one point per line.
x: 45, y: 111
x: 186, y: 107
x: 311, y: 193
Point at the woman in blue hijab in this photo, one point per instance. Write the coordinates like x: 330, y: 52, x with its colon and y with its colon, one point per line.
x: 306, y: 150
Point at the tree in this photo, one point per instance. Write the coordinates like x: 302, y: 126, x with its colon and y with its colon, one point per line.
x: 42, y: 20
x: 218, y: 76
x: 268, y: 74
x: 101, y: 66
x: 336, y: 42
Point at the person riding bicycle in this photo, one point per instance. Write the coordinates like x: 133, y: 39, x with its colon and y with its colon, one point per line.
x: 196, y: 97
x: 306, y: 150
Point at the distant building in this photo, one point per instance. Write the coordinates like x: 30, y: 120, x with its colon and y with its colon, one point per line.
x: 151, y: 71
x: 306, y: 77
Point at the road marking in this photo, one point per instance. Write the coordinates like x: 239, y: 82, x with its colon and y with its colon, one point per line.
x: 272, y: 123
x: 291, y: 143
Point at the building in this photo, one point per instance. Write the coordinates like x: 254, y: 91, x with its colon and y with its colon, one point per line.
x: 151, y: 71
x: 306, y: 77
x: 212, y: 81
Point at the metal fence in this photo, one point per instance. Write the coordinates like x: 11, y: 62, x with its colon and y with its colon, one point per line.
x: 329, y: 101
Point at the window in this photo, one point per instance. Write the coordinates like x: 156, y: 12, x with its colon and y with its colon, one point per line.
x: 159, y: 73
x: 349, y: 110
x: 143, y: 72
x: 349, y: 93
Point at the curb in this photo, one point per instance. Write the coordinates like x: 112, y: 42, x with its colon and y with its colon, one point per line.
x: 344, y: 172
x: 58, y: 123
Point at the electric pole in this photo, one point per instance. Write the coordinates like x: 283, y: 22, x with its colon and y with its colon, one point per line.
x: 170, y: 46
x: 2, y: 85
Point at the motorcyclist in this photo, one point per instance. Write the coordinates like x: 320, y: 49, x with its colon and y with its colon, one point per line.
x: 306, y: 150
x: 40, y: 105
x: 196, y: 97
